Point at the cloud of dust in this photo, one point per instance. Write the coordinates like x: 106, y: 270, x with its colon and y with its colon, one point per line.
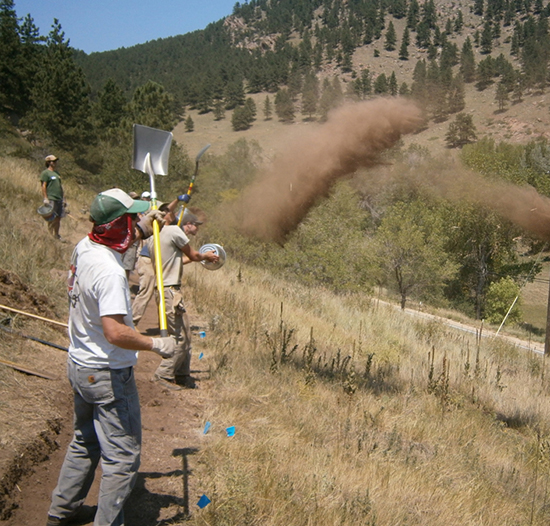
x: 522, y: 205
x: 354, y: 136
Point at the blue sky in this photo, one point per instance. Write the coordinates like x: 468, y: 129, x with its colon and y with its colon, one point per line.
x: 101, y: 25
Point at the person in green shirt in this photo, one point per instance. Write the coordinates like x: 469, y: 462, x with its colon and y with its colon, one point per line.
x: 52, y: 191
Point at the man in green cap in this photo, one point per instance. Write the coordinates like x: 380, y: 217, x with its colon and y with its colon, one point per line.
x: 102, y: 354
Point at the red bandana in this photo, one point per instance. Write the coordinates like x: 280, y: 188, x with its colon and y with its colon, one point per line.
x: 118, y: 234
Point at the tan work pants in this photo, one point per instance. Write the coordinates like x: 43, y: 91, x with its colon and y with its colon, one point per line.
x: 178, y: 326
x: 146, y: 273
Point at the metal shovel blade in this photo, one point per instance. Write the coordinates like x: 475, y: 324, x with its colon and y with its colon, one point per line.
x: 199, y: 155
x: 153, y: 143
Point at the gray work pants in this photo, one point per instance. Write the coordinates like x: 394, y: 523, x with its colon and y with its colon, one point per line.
x: 107, y: 426
x: 178, y: 326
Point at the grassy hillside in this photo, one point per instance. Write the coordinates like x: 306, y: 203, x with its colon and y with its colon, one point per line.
x: 345, y: 411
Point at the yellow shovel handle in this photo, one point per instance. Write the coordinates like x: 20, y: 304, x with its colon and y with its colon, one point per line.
x: 160, y: 283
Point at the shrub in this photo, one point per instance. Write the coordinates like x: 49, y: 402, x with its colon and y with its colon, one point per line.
x: 500, y: 296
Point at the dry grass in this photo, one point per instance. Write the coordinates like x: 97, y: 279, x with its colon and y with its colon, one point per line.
x: 420, y: 425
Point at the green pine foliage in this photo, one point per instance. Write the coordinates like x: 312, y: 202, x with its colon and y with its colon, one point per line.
x: 284, y: 106
x: 461, y: 131
x: 61, y: 107
x: 391, y: 38
x: 189, y: 124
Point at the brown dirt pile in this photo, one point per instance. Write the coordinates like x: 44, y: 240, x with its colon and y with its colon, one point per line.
x: 17, y: 295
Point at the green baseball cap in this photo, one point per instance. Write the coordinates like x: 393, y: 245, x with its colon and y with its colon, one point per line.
x: 109, y: 205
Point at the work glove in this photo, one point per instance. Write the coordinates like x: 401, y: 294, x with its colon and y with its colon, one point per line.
x: 164, y: 347
x: 46, y: 201
x: 184, y: 197
x: 145, y: 224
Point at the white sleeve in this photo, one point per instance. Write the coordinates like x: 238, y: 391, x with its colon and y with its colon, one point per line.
x: 111, y: 295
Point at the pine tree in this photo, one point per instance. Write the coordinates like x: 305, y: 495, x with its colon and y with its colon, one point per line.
x: 109, y: 110
x: 467, y: 61
x: 517, y: 94
x: 429, y: 13
x: 413, y: 14
x: 240, y: 120
x: 459, y: 22
x: 362, y: 85
x: 250, y: 107
x: 338, y: 94
x: 234, y: 94
x: 284, y: 107
x: 461, y: 131
x: 310, y: 95
x: 423, y: 35
x: 295, y: 81
x: 369, y: 33
x: 404, y: 49
x: 392, y: 85
x: 326, y: 103
x: 419, y: 86
x: 478, y: 7
x: 347, y: 63
x: 456, y: 95
x: 61, y: 106
x: 391, y: 38
x: 31, y: 54
x: 152, y: 105
x: 268, y: 108
x: 306, y: 51
x: 189, y: 124
x: 219, y: 110
x: 399, y: 9
x: 501, y: 96
x: 381, y: 84
x: 486, y: 42
x: 380, y: 23
x: 12, y: 84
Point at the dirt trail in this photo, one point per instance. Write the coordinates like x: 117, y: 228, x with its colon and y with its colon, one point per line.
x: 172, y: 430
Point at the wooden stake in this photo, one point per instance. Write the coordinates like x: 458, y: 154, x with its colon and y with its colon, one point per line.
x: 26, y: 369
x: 34, y: 316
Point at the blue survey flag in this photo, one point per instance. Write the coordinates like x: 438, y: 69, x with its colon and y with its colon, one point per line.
x: 203, y: 501
x: 206, y: 427
x: 230, y: 431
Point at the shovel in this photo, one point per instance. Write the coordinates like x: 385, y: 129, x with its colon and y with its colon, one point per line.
x: 190, y: 189
x: 151, y: 152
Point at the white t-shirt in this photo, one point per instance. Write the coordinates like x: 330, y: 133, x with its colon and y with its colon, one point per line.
x: 172, y: 239
x: 99, y: 288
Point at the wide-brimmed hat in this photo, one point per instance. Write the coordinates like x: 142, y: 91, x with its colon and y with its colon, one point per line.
x: 51, y: 158
x: 190, y: 217
x: 109, y: 205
